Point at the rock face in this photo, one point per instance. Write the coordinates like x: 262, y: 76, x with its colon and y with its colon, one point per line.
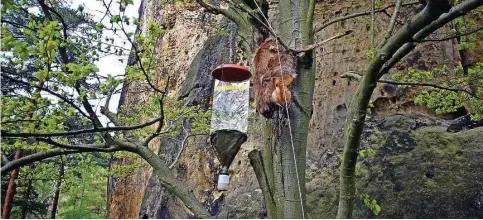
x: 419, y: 170
x: 423, y: 167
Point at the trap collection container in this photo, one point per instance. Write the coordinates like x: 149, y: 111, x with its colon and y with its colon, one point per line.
x: 229, y: 118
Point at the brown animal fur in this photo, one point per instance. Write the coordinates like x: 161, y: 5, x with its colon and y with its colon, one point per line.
x: 282, y: 95
x: 270, y: 81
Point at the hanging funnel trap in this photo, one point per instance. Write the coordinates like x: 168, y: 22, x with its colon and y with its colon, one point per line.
x: 229, y: 118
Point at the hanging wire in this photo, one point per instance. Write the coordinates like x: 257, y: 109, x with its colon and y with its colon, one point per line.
x: 230, y: 50
x: 230, y: 41
x: 286, y: 108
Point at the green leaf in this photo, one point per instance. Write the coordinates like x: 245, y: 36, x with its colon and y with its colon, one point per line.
x: 115, y: 19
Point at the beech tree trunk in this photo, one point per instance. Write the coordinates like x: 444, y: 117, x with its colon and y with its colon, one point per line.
x: 279, y: 175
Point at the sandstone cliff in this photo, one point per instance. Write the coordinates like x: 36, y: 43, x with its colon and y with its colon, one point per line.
x: 420, y: 158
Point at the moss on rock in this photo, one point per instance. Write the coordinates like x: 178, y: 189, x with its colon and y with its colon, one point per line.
x: 419, y: 171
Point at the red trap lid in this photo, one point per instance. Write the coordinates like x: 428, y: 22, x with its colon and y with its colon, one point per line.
x: 231, y: 73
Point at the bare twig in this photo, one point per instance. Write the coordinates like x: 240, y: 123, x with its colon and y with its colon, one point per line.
x: 359, y: 14
x: 105, y: 14
x: 373, y: 21
x: 392, y: 24
x: 46, y: 90
x: 311, y: 47
x: 357, y: 77
x: 452, y: 37
x: 183, y: 144
x: 161, y: 113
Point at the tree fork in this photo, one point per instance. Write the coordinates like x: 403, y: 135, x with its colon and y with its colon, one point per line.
x: 432, y: 17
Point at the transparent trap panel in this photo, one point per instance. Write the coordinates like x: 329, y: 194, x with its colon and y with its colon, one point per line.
x: 230, y: 106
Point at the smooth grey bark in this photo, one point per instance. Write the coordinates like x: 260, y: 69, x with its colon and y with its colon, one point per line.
x: 264, y: 179
x: 275, y: 167
x: 419, y: 27
x: 296, y: 26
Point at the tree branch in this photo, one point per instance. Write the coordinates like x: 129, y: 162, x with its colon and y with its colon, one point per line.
x: 167, y: 180
x: 357, y: 77
x: 357, y: 111
x: 161, y: 112
x: 392, y: 24
x: 44, y: 155
x: 17, y: 25
x: 110, y: 115
x: 311, y: 47
x: 46, y: 90
x: 359, y: 14
x: 99, y: 147
x: 452, y: 37
x: 83, y: 131
x: 148, y: 139
x: 64, y: 25
x: 455, y: 12
x: 373, y: 21
x: 217, y: 10
x: 183, y: 145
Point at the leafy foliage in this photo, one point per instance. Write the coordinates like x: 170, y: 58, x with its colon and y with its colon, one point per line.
x: 51, y: 84
x: 368, y: 202
x: 367, y: 152
x: 84, y: 189
x: 446, y: 101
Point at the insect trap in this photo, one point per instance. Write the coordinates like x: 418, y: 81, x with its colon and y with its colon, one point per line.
x: 229, y: 118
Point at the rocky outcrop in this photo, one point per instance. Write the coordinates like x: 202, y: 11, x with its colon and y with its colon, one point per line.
x: 419, y: 170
